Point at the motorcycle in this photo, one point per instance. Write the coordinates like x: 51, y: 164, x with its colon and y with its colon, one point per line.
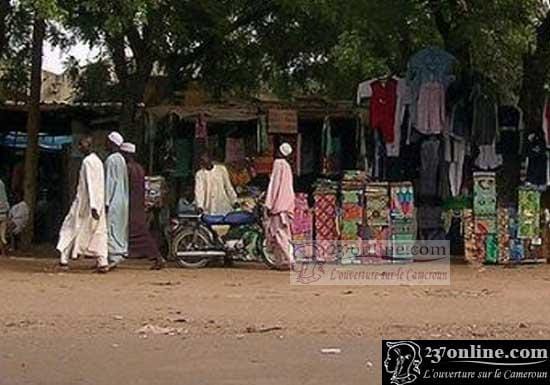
x: 197, y: 239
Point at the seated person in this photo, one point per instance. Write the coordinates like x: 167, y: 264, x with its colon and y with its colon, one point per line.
x: 18, y: 219
x: 214, y: 193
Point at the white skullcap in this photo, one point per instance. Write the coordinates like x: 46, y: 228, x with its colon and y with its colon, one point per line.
x: 116, y: 138
x: 128, y: 147
x: 285, y: 149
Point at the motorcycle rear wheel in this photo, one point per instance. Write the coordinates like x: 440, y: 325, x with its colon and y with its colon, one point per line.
x: 189, y: 240
x: 267, y: 256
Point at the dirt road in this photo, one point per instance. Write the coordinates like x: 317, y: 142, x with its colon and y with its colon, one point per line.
x: 243, y: 325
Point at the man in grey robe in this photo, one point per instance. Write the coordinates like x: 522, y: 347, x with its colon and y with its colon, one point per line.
x: 116, y: 200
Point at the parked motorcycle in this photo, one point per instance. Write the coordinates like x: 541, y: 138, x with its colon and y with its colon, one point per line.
x: 197, y: 239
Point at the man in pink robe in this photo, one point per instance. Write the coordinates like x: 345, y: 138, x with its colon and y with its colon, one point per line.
x: 280, y: 206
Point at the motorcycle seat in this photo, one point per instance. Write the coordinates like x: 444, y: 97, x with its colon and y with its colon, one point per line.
x: 213, y: 220
x: 240, y: 218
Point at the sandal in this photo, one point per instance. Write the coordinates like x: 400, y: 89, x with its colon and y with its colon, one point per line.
x: 102, y: 270
x: 62, y: 266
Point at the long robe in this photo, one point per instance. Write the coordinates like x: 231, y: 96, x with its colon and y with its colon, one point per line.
x: 4, y: 207
x: 280, y: 201
x: 116, y: 200
x: 141, y: 242
x: 214, y: 192
x: 80, y: 234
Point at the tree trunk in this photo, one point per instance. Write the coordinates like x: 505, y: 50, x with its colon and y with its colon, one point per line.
x: 535, y: 73
x: 132, y: 84
x: 5, y: 9
x: 33, y: 125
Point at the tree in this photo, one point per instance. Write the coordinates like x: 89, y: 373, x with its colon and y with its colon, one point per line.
x: 33, y: 122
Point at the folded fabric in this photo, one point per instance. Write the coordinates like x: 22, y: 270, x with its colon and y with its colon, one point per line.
x: 491, y: 247
x: 377, y: 204
x: 528, y: 213
x: 485, y: 193
x: 402, y: 200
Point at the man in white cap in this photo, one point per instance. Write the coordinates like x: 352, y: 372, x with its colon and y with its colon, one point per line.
x: 84, y: 231
x: 141, y: 242
x: 116, y: 200
x: 280, y: 206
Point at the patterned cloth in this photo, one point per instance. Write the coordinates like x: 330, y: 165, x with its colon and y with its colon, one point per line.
x: 491, y: 249
x: 326, y: 227
x: 503, y: 220
x: 529, y: 213
x: 402, y: 200
x: 485, y: 225
x: 485, y: 194
x: 377, y: 204
x: 470, y: 245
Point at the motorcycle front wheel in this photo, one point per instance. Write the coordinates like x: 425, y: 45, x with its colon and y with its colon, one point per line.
x: 190, y: 240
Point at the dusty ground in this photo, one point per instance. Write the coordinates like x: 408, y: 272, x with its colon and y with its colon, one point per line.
x: 81, y: 328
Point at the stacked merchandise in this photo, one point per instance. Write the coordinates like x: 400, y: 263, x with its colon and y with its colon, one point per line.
x: 517, y: 254
x: 326, y: 221
x: 529, y: 231
x: 302, y: 229
x: 470, y: 246
x: 485, y: 216
x: 377, y: 216
x: 503, y: 219
x: 509, y: 235
x: 353, y: 184
x: 155, y: 191
x: 403, y: 231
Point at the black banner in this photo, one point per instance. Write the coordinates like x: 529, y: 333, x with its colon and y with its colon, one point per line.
x: 465, y: 362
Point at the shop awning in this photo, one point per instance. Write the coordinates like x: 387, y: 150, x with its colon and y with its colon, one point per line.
x: 212, y: 113
x: 18, y: 140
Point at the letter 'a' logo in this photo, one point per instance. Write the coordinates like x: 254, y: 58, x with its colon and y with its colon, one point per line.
x: 403, y: 360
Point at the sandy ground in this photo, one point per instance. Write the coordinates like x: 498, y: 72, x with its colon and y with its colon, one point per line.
x: 82, y: 328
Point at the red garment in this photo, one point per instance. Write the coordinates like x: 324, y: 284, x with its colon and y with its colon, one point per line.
x: 382, y: 108
x: 141, y: 242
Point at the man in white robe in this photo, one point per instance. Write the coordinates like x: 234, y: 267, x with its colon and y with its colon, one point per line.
x: 116, y: 200
x: 84, y: 231
x: 214, y: 193
x: 4, y: 209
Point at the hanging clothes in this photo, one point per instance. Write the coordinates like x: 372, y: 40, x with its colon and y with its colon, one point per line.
x: 456, y: 165
x: 262, y: 144
x: 403, y: 100
x: 459, y: 127
x: 488, y: 159
x: 234, y: 150
x: 383, y: 105
x: 536, y: 160
x: 485, y: 119
x: 431, y: 109
x: 510, y: 121
x: 428, y: 65
x: 429, y: 156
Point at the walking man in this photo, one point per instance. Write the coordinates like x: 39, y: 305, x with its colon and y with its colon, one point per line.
x: 141, y: 242
x: 116, y: 200
x: 84, y: 231
x: 280, y: 206
x: 4, y: 209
